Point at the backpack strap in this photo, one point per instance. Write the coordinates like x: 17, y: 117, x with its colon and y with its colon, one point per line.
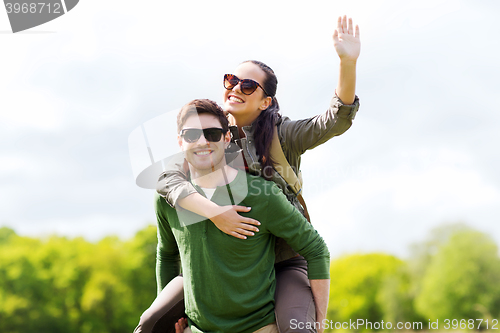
x: 282, y: 166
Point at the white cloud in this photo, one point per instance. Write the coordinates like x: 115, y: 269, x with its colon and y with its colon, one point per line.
x: 442, y: 189
x: 93, y: 226
x: 404, y: 200
x: 28, y: 110
x: 10, y: 164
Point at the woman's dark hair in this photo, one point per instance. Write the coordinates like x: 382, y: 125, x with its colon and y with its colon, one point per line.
x: 266, y: 121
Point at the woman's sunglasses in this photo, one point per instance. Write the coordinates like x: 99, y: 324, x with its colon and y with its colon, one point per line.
x: 247, y: 86
x: 212, y: 134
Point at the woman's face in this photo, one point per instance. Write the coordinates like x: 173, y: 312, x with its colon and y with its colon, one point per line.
x: 243, y: 106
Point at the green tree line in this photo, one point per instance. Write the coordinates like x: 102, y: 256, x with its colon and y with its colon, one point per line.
x: 71, y: 285
x: 454, y: 275
x: 57, y: 284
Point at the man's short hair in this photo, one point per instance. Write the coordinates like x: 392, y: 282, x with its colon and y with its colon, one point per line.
x: 200, y: 106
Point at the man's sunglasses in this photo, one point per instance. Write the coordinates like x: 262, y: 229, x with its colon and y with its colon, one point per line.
x: 212, y: 134
x: 247, y: 86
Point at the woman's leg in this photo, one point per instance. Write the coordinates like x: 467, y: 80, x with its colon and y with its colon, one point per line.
x: 165, y: 311
x: 294, y: 300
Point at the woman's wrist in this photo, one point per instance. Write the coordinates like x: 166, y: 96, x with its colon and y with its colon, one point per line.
x: 213, y: 210
x: 348, y: 62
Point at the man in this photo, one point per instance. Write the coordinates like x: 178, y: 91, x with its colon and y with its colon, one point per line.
x: 229, y: 283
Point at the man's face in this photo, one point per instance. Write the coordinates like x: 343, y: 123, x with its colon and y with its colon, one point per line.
x: 203, y: 155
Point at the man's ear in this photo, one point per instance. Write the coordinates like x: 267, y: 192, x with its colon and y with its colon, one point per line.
x: 179, y: 141
x: 266, y: 103
x: 227, y: 139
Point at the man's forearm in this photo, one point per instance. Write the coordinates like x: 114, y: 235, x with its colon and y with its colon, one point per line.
x: 320, y: 290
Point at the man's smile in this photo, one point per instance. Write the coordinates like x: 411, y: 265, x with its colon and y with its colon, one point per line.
x: 204, y: 152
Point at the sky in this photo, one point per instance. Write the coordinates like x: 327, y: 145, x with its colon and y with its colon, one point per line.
x: 422, y: 150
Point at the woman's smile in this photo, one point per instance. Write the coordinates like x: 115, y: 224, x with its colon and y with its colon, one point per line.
x: 235, y: 99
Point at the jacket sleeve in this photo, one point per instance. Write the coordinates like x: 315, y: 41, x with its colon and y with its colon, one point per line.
x: 304, y: 134
x: 168, y: 264
x: 172, y: 183
x: 285, y: 221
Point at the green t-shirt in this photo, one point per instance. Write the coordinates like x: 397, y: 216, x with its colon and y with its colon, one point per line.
x: 229, y: 283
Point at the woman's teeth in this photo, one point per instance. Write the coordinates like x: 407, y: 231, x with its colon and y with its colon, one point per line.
x: 236, y: 99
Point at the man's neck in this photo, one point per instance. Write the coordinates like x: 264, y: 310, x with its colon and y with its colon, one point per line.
x: 211, y: 179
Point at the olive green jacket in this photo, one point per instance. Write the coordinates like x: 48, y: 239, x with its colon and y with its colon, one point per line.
x: 296, y: 136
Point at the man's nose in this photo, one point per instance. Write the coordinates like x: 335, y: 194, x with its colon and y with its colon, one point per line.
x: 202, y: 140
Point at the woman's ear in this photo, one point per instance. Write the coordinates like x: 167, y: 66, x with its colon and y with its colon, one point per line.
x: 266, y: 103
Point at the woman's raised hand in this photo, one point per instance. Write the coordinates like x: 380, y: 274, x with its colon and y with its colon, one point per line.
x: 232, y: 223
x: 346, y: 39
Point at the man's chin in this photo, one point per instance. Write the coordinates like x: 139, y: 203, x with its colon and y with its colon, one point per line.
x: 203, y: 166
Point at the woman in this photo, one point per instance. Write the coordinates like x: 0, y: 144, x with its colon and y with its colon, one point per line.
x: 249, y: 99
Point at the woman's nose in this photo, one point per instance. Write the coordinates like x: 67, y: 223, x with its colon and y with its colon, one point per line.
x: 237, y: 87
